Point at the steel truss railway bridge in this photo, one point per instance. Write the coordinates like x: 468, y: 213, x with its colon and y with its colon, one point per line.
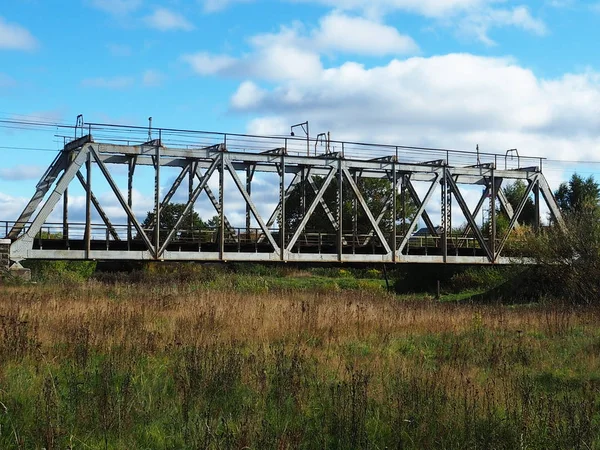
x: 327, y: 176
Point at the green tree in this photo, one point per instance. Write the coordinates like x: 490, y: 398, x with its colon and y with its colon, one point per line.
x: 514, y: 193
x: 578, y: 194
x: 169, y: 215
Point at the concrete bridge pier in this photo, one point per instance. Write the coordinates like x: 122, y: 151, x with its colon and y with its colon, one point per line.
x: 15, y: 270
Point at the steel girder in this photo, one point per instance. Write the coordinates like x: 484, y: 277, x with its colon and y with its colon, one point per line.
x: 293, y: 171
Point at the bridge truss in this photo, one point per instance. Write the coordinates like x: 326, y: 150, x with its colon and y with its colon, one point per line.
x: 327, y: 175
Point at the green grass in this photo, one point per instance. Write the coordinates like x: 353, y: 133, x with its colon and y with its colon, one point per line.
x: 284, y: 361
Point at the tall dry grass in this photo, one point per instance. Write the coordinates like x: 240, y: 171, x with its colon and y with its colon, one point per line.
x: 185, y: 366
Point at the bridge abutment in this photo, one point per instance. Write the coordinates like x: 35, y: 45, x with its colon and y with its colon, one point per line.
x: 16, y: 270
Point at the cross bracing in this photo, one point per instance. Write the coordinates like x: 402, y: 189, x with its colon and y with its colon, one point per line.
x: 329, y: 184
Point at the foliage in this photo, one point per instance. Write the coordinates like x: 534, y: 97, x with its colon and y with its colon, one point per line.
x: 515, y: 193
x: 170, y: 214
x: 571, y: 255
x: 60, y: 271
x: 578, y: 194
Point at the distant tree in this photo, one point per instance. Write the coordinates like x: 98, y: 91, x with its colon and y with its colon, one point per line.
x: 169, y: 215
x: 578, y: 194
x: 514, y: 194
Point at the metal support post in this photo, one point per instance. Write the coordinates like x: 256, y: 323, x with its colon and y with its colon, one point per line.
x: 354, y: 216
x: 282, y: 213
x: 492, y: 241
x: 88, y: 206
x: 191, y: 176
x: 157, y: 201
x: 222, y: 207
x: 395, y: 209
x: 249, y: 175
x: 130, y: 171
x: 536, y: 200
x: 340, y: 210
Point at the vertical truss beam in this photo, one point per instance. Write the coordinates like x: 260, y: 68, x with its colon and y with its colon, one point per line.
x: 130, y: 172
x: 249, y: 177
x: 88, y: 208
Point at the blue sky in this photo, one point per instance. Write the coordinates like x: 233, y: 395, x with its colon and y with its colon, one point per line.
x: 445, y: 73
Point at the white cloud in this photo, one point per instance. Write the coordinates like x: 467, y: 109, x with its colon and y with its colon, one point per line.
x: 293, y: 54
x: 247, y: 94
x: 120, y: 82
x: 152, y: 78
x: 166, y: 20
x: 358, y: 35
x: 22, y: 172
x: 206, y: 64
x: 455, y: 101
x: 478, y: 24
x: 117, y: 7
x: 15, y: 37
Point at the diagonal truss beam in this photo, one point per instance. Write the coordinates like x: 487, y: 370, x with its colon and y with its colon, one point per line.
x: 367, y: 211
x: 518, y: 212
x: 26, y: 241
x: 215, y: 203
x: 189, y: 204
x: 322, y: 202
x: 288, y: 191
x: 42, y: 189
x: 415, y: 196
x: 250, y: 203
x: 99, y: 208
x: 551, y: 203
x: 420, y: 212
x: 311, y: 209
x: 386, y: 205
x: 470, y: 219
x: 122, y: 201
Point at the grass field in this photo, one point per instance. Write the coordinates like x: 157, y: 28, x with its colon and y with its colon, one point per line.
x: 244, y: 362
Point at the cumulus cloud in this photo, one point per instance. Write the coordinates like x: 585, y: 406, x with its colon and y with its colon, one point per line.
x: 361, y: 36
x: 456, y: 101
x: 293, y: 53
x: 163, y: 19
x: 478, y: 24
x: 15, y: 37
